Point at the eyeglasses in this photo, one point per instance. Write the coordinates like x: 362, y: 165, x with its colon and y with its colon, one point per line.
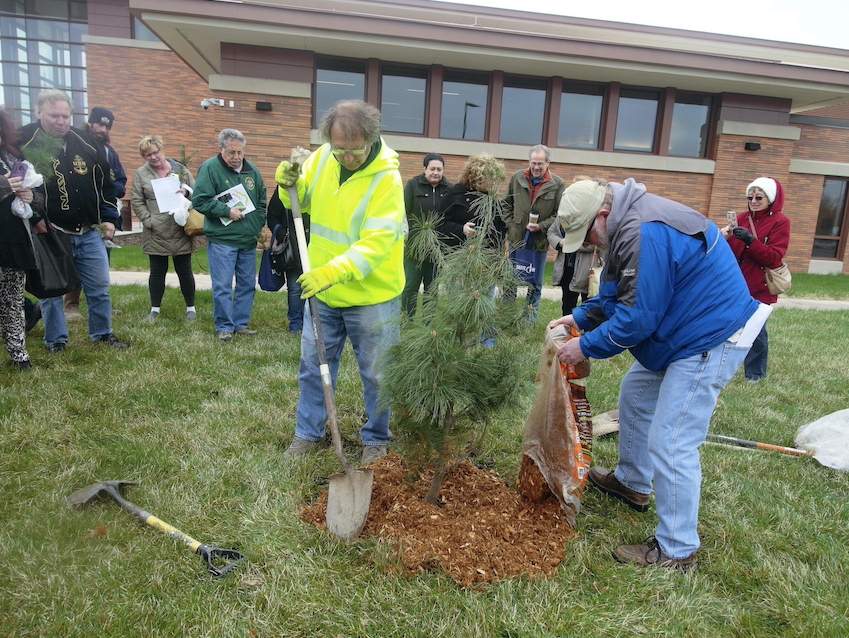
x: 356, y: 153
x: 757, y: 198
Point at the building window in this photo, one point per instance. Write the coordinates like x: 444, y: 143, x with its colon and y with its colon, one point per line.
x: 337, y: 80
x: 636, y: 120
x: 41, y: 47
x: 402, y: 100
x: 830, y: 234
x: 141, y: 32
x: 580, y: 117
x: 464, y: 106
x: 690, y: 123
x: 522, y: 111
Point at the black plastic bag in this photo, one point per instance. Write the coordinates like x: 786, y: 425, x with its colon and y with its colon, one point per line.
x: 55, y: 272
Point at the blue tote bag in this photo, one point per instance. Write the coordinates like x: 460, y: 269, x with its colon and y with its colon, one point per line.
x: 529, y: 264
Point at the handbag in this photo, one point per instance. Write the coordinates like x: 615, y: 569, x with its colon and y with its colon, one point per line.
x: 269, y: 279
x: 194, y: 224
x: 529, y: 264
x: 55, y: 272
x: 778, y: 280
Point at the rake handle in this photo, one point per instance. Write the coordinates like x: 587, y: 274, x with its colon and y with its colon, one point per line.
x: 757, y: 445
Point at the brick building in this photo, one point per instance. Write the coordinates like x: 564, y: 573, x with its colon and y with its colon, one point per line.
x: 695, y: 116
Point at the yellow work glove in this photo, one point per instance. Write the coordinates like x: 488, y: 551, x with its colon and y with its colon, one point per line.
x: 286, y: 174
x: 314, y: 281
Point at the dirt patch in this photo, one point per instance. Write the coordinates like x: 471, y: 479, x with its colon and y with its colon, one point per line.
x: 483, y: 532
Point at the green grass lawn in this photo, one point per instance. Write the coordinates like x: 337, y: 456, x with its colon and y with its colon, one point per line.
x: 202, y: 426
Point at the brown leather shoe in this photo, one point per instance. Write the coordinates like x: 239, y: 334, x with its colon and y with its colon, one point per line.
x: 649, y: 554
x: 604, y: 480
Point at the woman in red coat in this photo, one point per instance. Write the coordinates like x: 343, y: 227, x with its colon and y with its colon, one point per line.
x: 759, y: 240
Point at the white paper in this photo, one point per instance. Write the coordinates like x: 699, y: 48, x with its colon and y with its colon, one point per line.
x: 167, y: 193
x: 236, y: 197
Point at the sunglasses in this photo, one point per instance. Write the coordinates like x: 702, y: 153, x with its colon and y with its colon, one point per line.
x: 359, y: 153
x: 757, y: 198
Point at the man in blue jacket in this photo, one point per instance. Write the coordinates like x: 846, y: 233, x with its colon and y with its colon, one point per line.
x: 671, y: 293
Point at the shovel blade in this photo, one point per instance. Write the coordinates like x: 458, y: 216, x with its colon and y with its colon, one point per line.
x: 348, y: 500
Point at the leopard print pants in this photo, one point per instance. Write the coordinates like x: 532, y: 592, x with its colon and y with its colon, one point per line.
x: 12, y: 313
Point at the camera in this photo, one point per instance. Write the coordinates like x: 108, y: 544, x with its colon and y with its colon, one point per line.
x: 211, y: 101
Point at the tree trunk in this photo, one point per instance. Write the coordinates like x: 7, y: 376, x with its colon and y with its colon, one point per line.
x: 442, y: 462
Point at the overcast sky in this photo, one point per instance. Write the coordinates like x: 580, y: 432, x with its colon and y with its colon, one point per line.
x: 819, y: 22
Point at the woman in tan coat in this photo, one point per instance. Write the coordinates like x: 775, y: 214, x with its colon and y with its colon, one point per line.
x: 162, y: 237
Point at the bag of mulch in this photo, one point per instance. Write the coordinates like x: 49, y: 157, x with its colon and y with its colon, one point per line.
x: 557, y: 442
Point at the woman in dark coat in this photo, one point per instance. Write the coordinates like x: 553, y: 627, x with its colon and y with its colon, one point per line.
x: 16, y: 255
x: 759, y: 240
x: 458, y: 215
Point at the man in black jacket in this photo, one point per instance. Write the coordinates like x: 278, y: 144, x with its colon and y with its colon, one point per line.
x: 80, y: 199
x: 423, y: 195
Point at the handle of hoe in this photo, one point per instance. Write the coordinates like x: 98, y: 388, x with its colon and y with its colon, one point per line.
x: 149, y: 519
x: 757, y: 445
x: 324, y: 369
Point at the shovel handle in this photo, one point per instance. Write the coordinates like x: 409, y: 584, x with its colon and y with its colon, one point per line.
x: 757, y: 445
x: 324, y: 368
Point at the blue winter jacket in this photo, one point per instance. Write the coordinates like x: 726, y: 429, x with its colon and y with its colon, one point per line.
x: 671, y: 287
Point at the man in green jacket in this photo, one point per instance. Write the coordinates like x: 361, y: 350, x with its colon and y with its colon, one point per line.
x: 230, y: 192
x: 529, y: 210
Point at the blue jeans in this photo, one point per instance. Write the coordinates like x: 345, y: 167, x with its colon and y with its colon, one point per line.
x: 93, y: 267
x: 295, y: 308
x: 372, y: 331
x: 663, y: 420
x: 232, y: 309
x: 755, y: 363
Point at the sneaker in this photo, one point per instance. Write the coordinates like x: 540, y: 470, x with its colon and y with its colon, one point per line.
x: 300, y: 447
x: 113, y: 342
x: 604, y: 480
x: 224, y: 336
x: 649, y: 554
x: 372, y: 453
x: 191, y: 315
x: 153, y: 316
x: 246, y: 332
x: 54, y: 348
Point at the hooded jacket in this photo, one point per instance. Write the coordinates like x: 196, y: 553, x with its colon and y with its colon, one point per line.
x: 772, y: 228
x: 670, y: 288
x: 357, y: 225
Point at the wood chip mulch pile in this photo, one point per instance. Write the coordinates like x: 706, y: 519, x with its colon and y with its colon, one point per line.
x: 483, y: 532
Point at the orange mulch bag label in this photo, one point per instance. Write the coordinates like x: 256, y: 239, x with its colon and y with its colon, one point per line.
x: 557, y: 442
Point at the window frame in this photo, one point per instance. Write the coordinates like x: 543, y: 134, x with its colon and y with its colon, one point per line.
x: 580, y: 87
x: 387, y: 68
x: 468, y: 76
x: 515, y: 81
x: 710, y: 99
x: 349, y: 65
x: 844, y: 224
x: 659, y: 117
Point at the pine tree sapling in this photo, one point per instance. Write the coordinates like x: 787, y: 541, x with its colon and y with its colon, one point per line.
x: 42, y: 152
x: 441, y: 380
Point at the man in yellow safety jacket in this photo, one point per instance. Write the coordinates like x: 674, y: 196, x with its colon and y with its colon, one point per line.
x: 353, y: 192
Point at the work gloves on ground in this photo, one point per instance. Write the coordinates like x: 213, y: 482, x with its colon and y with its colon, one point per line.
x: 286, y: 174
x: 743, y: 235
x: 314, y: 281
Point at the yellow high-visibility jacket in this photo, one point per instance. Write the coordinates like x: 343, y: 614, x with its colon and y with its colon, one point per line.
x: 359, y: 226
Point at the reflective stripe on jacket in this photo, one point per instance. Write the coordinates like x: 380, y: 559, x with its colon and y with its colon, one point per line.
x: 358, y: 225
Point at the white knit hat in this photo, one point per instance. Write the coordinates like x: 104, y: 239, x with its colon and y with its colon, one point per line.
x: 577, y: 210
x: 767, y: 185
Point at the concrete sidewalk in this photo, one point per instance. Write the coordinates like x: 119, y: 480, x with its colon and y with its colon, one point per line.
x: 203, y: 282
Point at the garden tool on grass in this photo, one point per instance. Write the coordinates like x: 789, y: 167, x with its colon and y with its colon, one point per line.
x: 218, y: 561
x: 349, y: 495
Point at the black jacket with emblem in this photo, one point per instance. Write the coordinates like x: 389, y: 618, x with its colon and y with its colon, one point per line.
x: 78, y: 189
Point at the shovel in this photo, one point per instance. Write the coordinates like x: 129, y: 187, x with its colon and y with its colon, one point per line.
x: 218, y: 561
x: 349, y: 495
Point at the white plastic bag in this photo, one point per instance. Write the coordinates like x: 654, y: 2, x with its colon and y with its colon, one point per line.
x: 828, y: 439
x: 31, y: 180
x: 181, y: 215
